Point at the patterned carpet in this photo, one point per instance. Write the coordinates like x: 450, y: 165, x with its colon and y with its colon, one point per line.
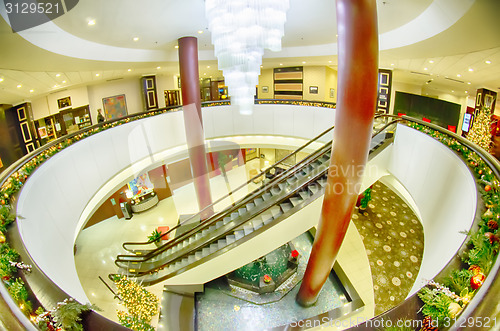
x: 394, y: 241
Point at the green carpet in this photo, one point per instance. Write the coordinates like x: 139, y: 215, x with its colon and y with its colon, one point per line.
x: 394, y: 242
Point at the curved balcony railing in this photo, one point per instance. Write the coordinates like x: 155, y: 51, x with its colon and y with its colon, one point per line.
x: 482, y: 305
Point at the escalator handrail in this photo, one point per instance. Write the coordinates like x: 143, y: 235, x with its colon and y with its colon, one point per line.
x: 262, y: 173
x: 306, y: 161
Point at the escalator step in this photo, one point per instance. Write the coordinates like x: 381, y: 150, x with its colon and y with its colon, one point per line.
x: 238, y: 234
x: 281, y: 185
x: 212, y: 228
x: 205, y: 251
x: 267, y: 217
x: 276, y: 211
x: 291, y: 180
x: 313, y: 188
x: 241, y: 211
x: 219, y: 224
x: 247, y: 228
x: 227, y: 219
x: 213, y: 247
x: 198, y: 255
x: 266, y: 196
x: 198, y: 235
x: 296, y: 200
x: 257, y: 223
x: 231, y: 238
x: 258, y: 201
x: 286, y: 206
x: 234, y: 216
x: 221, y: 243
x: 304, y: 194
x: 191, y: 259
x: 250, y: 206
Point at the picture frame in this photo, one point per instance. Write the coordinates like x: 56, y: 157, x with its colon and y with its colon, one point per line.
x: 332, y: 93
x: 114, y: 107
x: 21, y: 114
x: 64, y: 102
x: 265, y: 89
x: 42, y: 132
x: 313, y: 89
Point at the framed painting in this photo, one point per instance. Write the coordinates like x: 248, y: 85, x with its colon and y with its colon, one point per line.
x: 313, y: 89
x: 114, y: 107
x: 64, y: 102
x: 21, y: 114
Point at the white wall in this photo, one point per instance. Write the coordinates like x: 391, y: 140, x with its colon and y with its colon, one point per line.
x: 444, y: 191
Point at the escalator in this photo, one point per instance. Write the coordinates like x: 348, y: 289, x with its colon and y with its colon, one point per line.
x: 199, y: 249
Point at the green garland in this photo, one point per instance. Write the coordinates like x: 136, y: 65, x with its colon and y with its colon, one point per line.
x: 482, y: 247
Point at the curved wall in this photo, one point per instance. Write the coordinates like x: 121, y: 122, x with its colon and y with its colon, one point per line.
x: 57, y: 194
x: 444, y: 191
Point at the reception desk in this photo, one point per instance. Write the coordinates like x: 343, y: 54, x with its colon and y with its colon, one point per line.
x: 144, y: 201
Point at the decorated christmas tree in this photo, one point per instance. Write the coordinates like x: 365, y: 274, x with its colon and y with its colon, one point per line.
x: 141, y: 304
x: 480, y: 133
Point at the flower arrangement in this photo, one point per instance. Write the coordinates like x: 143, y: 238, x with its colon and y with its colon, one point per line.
x: 294, y: 254
x: 267, y: 279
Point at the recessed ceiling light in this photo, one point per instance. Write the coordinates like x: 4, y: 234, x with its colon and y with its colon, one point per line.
x: 458, y: 75
x: 204, y: 74
x: 97, y: 75
x: 200, y: 31
x: 91, y: 21
x: 19, y: 86
x: 466, y: 91
x: 471, y: 70
x: 64, y: 82
x: 425, y: 68
x: 136, y: 38
x: 176, y: 46
x: 129, y: 70
x: 281, y: 64
x: 158, y: 68
x: 55, y: 86
x: 1, y: 79
x: 208, y: 67
x: 303, y: 62
x: 262, y: 66
x: 452, y: 91
x: 487, y: 62
x: 392, y: 64
x: 31, y: 91
x: 58, y: 75
x: 468, y: 83
x: 431, y: 61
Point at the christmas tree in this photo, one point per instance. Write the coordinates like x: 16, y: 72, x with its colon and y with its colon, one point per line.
x: 480, y: 133
x: 141, y: 304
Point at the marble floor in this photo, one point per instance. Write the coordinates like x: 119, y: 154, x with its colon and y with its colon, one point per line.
x: 98, y: 246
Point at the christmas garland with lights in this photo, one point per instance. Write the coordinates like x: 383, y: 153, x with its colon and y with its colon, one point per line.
x: 444, y: 302
x: 141, y: 304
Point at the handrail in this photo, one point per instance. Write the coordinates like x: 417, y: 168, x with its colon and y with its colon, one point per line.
x: 311, y: 158
x: 262, y: 173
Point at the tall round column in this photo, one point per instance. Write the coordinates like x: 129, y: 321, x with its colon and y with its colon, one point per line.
x: 356, y: 102
x: 193, y: 121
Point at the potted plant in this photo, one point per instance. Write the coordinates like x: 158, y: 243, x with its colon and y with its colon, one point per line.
x: 155, y: 237
x: 367, y: 196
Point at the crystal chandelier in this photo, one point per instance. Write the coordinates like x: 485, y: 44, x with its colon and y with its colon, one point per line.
x: 241, y: 30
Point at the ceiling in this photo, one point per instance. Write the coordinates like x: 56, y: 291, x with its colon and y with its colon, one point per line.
x: 429, y: 43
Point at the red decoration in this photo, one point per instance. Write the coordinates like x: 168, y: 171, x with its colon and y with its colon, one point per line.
x: 477, y: 280
x: 2, y: 202
x: 492, y: 237
x: 480, y: 172
x: 295, y: 254
x: 492, y: 224
x: 267, y: 279
x: 475, y: 269
x: 487, y: 188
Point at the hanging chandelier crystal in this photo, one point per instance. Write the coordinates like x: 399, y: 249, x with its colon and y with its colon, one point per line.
x: 241, y: 30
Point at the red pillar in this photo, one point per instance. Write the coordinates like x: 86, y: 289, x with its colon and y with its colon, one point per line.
x: 193, y: 122
x: 356, y: 103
